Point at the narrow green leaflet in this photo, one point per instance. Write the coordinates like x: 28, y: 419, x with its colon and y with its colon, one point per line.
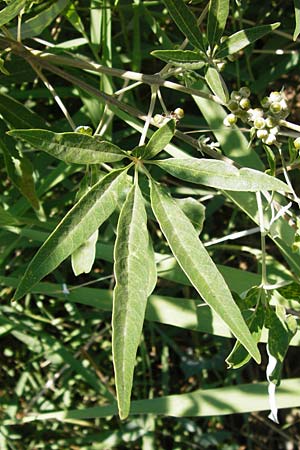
x: 159, y: 140
x: 241, y: 39
x: 235, y: 399
x: 19, y: 168
x: 6, y: 218
x: 221, y: 175
x: 217, y: 17
x: 11, y: 11
x: 198, y: 266
x: 74, y: 148
x: 216, y: 83
x: 18, y: 115
x: 194, y: 210
x: 239, y: 356
x: 75, y: 228
x: 186, y: 21
x: 130, y: 293
x: 35, y: 25
x: 297, y: 19
x: 82, y: 259
x: 282, y: 328
x: 186, y: 59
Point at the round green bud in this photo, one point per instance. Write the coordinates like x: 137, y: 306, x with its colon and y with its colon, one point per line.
x: 265, y: 102
x: 270, y: 140
x: 274, y: 130
x: 262, y: 134
x: 275, y: 107
x: 83, y: 129
x: 235, y: 95
x: 179, y: 113
x: 275, y: 96
x: 259, y: 123
x: 297, y: 143
x: 245, y: 103
x: 233, y: 106
x: 245, y: 91
x: 230, y: 120
x: 271, y: 122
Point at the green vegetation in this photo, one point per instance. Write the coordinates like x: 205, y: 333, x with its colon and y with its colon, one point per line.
x: 149, y: 241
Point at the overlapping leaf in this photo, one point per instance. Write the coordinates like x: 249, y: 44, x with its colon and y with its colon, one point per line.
x: 76, y: 227
x: 187, y: 59
x: 221, y: 175
x: 198, y: 266
x: 74, y: 148
x: 242, y: 38
x: 186, y: 21
x: 132, y: 263
x: 217, y: 17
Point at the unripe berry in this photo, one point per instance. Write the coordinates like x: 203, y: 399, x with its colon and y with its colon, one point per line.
x: 297, y: 143
x: 245, y: 103
x: 84, y: 129
x: 271, y: 122
x: 265, y: 102
x: 270, y: 140
x: 262, y: 134
x: 230, y: 120
x: 275, y: 107
x: 235, y: 95
x: 245, y: 91
x: 259, y: 123
x: 275, y: 96
x: 233, y: 106
x: 179, y: 113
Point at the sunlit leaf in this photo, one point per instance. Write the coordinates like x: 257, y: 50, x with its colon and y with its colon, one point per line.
x: 242, y: 38
x: 198, y: 266
x: 187, y: 59
x: 76, y: 227
x: 159, y: 140
x: 220, y: 175
x: 130, y: 294
x: 186, y: 21
x: 74, y: 148
x: 11, y: 11
x: 216, y: 83
x: 217, y: 17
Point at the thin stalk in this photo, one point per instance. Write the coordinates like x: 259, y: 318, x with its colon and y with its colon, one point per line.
x: 287, y: 178
x: 149, y: 115
x: 54, y: 94
x: 263, y: 239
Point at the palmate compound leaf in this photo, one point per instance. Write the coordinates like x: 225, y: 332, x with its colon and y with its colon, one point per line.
x: 74, y: 148
x: 135, y: 275
x: 77, y: 226
x: 221, y: 175
x: 198, y: 266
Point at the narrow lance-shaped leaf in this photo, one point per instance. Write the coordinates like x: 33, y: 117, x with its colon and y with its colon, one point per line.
x: 11, y: 11
x: 198, y: 266
x: 221, y: 175
x: 241, y: 39
x: 130, y: 294
x: 282, y: 328
x: 216, y: 83
x: 186, y: 59
x: 19, y: 168
x: 74, y: 148
x: 186, y: 21
x: 75, y: 228
x: 159, y: 140
x: 82, y: 259
x: 217, y: 17
x: 297, y: 19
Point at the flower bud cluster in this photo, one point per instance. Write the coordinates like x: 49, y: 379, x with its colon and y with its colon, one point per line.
x: 265, y: 120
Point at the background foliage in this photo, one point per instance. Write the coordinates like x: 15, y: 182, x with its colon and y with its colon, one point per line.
x: 66, y: 64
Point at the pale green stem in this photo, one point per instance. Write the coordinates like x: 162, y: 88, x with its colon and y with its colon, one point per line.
x: 149, y: 115
x: 54, y: 94
x: 263, y: 239
x: 287, y: 178
x: 290, y: 125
